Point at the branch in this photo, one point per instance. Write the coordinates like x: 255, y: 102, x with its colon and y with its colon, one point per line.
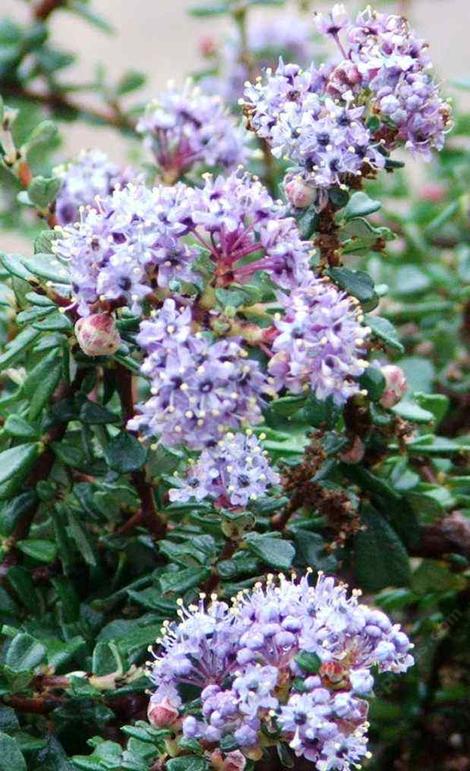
x: 58, y: 101
x: 450, y: 535
x: 46, y: 8
x: 148, y: 513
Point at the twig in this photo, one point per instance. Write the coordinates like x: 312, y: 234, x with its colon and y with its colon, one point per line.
x: 148, y: 513
x: 57, y: 101
x: 44, y: 9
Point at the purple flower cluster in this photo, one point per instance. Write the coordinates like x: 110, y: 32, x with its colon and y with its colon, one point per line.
x: 320, y: 343
x: 138, y: 240
x: 200, y: 388
x: 344, y: 117
x: 288, y: 660
x: 128, y: 245
x: 325, y: 138
x: 383, y: 56
x: 235, y: 471
x: 187, y: 128
x: 245, y: 230
x: 90, y: 175
x: 285, y: 34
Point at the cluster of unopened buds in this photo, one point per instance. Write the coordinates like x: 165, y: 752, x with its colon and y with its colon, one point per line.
x: 285, y: 663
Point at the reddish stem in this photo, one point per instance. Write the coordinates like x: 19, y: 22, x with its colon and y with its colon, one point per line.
x: 148, y: 512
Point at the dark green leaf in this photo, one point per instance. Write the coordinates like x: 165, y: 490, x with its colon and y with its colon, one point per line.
x: 11, y: 758
x: 17, y: 460
x: 309, y: 662
x: 24, y: 653
x: 360, y: 205
x: 385, y: 331
x: 357, y: 283
x: 274, y: 552
x: 379, y: 555
x: 125, y: 453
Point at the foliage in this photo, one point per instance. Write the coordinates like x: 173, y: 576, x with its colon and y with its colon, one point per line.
x: 96, y: 551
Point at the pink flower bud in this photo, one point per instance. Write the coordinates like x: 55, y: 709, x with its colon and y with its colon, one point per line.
x: 433, y: 192
x: 299, y: 194
x: 162, y: 713
x: 97, y: 335
x: 395, y: 385
x: 208, y: 46
x: 234, y: 761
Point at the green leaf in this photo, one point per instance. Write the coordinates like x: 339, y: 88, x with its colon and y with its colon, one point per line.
x: 24, y: 653
x: 81, y: 539
x: 43, y: 190
x: 11, y: 757
x: 309, y: 662
x: 39, y: 549
x: 357, y: 283
x: 187, y: 763
x: 48, y: 267
x: 360, y: 205
x: 209, y: 10
x: 42, y: 381
x: 179, y: 583
x: 380, y: 558
x: 428, y: 444
x: 43, y: 133
x: 14, y: 265
x: 437, y: 404
x: 310, y: 548
x: 18, y: 427
x: 82, y: 9
x: 130, y: 81
x: 307, y: 222
x: 373, y: 382
x: 385, y: 331
x: 95, y: 414
x: 274, y: 552
x: 419, y: 373
x: 12, y: 511
x: 125, y: 453
x: 408, y: 409
x: 17, y: 460
x: 410, y: 279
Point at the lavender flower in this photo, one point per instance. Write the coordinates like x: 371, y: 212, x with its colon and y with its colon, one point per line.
x: 342, y: 119
x: 321, y: 342
x: 287, y: 658
x: 186, y: 128
x: 326, y: 139
x: 382, y: 56
x: 245, y: 230
x: 90, y: 175
x: 235, y: 470
x: 199, y: 388
x: 127, y: 245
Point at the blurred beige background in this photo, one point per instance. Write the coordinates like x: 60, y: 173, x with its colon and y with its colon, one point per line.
x: 158, y: 37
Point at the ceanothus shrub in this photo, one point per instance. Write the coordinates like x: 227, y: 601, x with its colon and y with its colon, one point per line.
x: 234, y: 383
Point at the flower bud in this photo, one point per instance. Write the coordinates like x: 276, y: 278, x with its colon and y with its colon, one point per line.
x: 433, y: 192
x: 97, y: 335
x: 395, y: 385
x: 162, y: 713
x: 234, y: 761
x: 299, y: 194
